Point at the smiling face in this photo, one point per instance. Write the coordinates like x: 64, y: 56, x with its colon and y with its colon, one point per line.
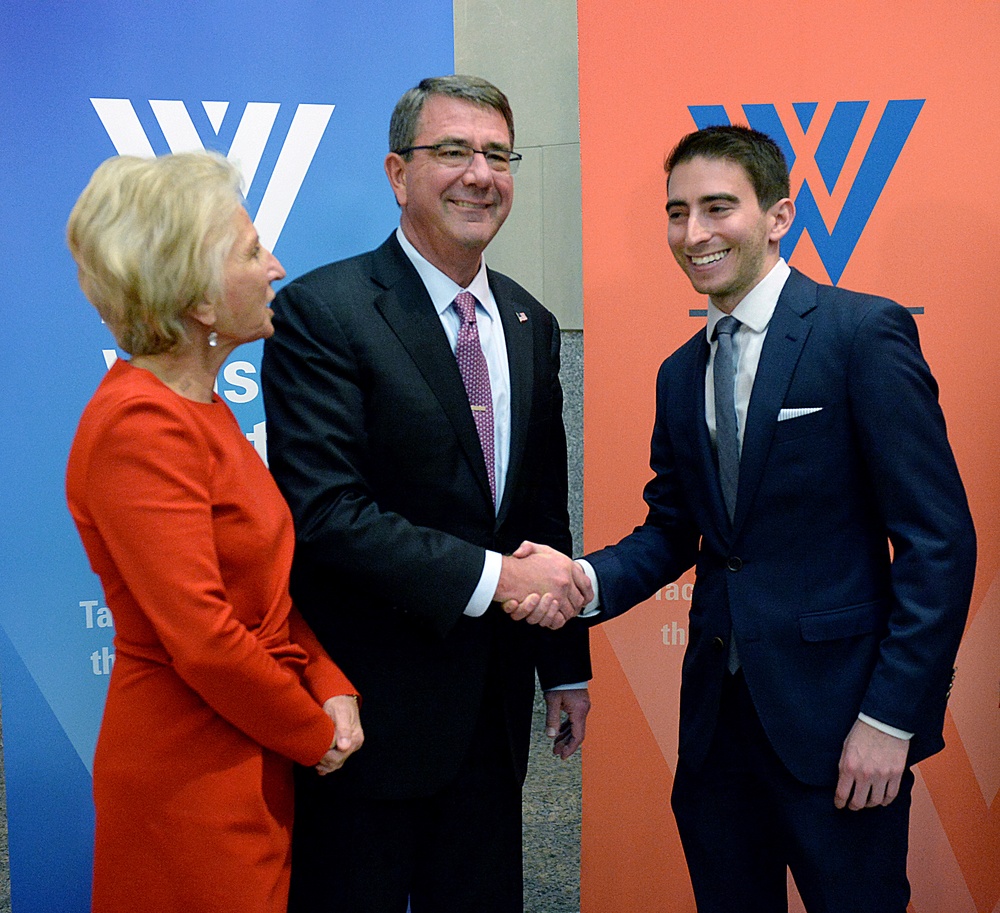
x: 718, y: 233
x: 249, y: 269
x: 450, y: 214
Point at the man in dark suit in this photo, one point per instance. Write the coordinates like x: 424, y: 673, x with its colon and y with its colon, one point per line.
x: 407, y: 505
x: 834, y: 554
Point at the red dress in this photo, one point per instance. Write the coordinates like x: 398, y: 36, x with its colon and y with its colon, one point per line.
x: 217, y: 682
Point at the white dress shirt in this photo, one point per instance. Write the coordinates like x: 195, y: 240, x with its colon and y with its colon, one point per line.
x: 442, y: 291
x: 754, y: 314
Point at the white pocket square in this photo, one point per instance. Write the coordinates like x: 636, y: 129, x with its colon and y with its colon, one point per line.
x: 785, y: 414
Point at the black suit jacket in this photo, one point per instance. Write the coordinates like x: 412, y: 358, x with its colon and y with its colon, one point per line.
x: 372, y: 442
x: 828, y: 621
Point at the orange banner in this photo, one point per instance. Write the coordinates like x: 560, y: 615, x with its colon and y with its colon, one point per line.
x: 888, y: 114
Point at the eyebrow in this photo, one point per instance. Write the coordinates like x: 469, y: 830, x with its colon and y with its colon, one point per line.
x: 251, y: 242
x: 489, y: 147
x: 708, y: 198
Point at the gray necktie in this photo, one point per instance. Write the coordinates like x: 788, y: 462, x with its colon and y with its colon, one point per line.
x: 727, y: 443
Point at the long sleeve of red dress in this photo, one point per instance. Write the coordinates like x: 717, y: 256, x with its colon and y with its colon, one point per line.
x: 193, y: 544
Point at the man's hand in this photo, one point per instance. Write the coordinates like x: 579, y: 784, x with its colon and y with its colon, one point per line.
x: 348, y: 735
x: 871, y: 768
x: 542, y: 586
x: 567, y: 733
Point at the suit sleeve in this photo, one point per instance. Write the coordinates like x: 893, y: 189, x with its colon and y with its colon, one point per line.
x: 315, y: 390
x: 902, y: 432
x: 563, y: 656
x: 321, y: 675
x: 550, y: 514
x: 666, y: 544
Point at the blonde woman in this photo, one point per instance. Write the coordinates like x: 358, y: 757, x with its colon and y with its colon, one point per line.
x: 218, y: 685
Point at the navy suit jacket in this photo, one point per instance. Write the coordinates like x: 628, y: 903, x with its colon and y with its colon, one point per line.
x: 373, y: 444
x: 829, y: 620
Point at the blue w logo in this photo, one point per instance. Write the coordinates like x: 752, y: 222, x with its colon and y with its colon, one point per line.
x: 833, y: 246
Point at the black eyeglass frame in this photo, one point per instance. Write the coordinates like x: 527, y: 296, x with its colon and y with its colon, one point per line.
x: 511, y: 158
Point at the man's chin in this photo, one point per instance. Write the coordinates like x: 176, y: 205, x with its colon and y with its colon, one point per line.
x: 477, y: 240
x: 702, y: 287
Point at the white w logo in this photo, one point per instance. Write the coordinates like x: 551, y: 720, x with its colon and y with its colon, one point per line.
x: 304, y: 134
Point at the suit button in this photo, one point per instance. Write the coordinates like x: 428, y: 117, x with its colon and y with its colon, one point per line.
x: 735, y: 564
x: 718, y: 644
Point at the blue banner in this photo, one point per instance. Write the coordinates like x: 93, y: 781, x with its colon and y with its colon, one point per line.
x: 299, y: 94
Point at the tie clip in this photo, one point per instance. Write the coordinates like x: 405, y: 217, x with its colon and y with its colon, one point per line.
x: 478, y: 408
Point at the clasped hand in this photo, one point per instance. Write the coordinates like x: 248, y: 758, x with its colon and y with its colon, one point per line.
x: 348, y: 735
x: 542, y: 586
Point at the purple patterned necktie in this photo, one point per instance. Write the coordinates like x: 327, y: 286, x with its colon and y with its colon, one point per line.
x: 476, y: 377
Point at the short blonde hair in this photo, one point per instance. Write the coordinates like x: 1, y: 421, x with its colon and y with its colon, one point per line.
x: 150, y: 238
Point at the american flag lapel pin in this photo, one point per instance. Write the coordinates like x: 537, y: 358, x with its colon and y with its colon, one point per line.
x: 522, y: 317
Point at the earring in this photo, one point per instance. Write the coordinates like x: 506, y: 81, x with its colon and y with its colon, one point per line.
x: 213, y: 339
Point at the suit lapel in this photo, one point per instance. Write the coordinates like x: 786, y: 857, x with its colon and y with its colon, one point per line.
x: 518, y: 338
x: 409, y: 311
x: 694, y: 433
x: 786, y: 335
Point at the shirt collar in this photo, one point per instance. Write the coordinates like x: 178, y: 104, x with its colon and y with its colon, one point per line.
x: 756, y: 309
x: 442, y: 288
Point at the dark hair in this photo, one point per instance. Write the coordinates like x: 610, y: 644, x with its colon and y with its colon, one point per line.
x: 758, y: 155
x: 405, y: 121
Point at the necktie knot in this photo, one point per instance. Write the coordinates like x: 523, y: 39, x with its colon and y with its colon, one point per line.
x: 465, y: 304
x: 726, y: 326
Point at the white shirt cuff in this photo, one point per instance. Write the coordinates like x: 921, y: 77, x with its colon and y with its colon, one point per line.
x: 577, y: 686
x: 591, y: 608
x: 884, y: 727
x: 483, y: 594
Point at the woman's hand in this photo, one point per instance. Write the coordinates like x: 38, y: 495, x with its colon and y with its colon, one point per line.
x: 348, y: 735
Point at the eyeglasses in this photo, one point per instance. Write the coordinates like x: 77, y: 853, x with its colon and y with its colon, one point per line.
x: 458, y: 155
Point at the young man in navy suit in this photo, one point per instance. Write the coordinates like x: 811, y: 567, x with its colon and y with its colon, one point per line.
x: 819, y: 660
x: 415, y: 427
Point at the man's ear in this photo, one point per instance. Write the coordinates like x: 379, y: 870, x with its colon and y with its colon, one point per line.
x: 395, y: 170
x: 782, y: 215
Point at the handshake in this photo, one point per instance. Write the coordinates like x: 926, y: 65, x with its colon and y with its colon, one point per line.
x: 542, y: 586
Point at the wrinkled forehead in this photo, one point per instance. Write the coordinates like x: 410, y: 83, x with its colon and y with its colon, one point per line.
x: 449, y: 117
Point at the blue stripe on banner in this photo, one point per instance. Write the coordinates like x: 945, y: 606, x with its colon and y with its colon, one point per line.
x: 50, y: 809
